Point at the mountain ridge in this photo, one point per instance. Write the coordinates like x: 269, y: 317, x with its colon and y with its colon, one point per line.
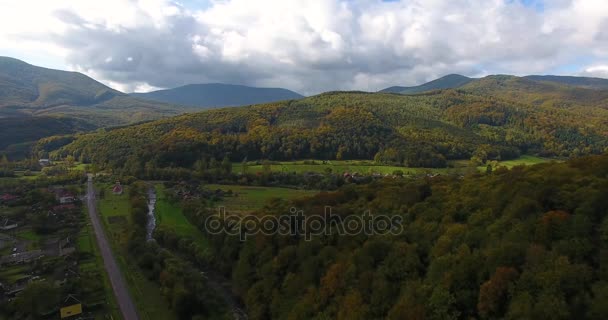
x: 207, y: 95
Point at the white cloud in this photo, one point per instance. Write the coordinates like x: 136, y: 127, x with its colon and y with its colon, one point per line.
x: 306, y: 45
x: 599, y: 71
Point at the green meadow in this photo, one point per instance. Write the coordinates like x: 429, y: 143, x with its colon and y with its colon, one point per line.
x: 370, y: 167
x: 249, y: 198
x: 170, y: 216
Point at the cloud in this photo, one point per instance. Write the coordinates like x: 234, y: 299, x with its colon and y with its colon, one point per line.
x: 308, y: 46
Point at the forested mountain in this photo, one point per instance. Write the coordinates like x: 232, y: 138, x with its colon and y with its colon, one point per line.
x: 493, y: 118
x: 583, y: 82
x: 218, y: 95
x: 27, y: 90
x: 454, y: 81
x: 446, y: 82
x: 526, y: 243
x: 37, y: 102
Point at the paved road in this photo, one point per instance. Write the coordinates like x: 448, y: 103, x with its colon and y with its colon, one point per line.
x: 121, y: 292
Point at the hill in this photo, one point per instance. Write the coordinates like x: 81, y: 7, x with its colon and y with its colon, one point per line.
x: 494, y: 118
x: 583, y: 82
x: 218, y: 95
x: 526, y: 90
x: 27, y: 90
x: 454, y: 81
x: 37, y: 102
x: 445, y: 82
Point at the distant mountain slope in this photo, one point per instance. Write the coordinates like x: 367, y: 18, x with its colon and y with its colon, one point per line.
x: 219, y: 95
x: 22, y: 84
x: 583, y: 82
x: 447, y: 82
x: 497, y: 117
x: 27, y: 90
x: 34, y: 128
x: 38, y: 102
x: 526, y: 90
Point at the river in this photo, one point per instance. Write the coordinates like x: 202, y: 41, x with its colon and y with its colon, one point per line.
x: 151, y: 217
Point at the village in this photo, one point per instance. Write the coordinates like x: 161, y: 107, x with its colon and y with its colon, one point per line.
x: 46, y: 249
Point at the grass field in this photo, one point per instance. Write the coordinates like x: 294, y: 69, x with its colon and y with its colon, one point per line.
x: 171, y: 216
x: 369, y: 167
x: 524, y: 160
x: 151, y: 305
x: 248, y: 198
x: 351, y: 166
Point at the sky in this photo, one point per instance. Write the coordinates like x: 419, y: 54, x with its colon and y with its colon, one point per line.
x: 308, y: 46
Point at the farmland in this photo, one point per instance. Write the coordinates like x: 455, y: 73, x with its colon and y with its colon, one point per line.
x: 249, y: 198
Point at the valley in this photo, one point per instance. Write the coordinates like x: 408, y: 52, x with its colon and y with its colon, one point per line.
x: 497, y: 184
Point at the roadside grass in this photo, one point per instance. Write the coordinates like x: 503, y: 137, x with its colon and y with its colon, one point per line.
x: 250, y: 198
x: 87, y: 244
x: 151, y: 305
x: 171, y: 216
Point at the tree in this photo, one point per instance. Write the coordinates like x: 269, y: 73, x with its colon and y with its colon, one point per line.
x: 226, y: 165
x: 38, y: 299
x: 493, y: 293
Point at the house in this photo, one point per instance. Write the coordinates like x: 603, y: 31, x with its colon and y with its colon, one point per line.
x: 117, y: 188
x: 8, y: 198
x: 66, y: 247
x: 64, y: 196
x: 8, y: 224
x: 44, y: 162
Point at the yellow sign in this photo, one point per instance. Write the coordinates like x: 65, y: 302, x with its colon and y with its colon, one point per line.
x: 71, y: 310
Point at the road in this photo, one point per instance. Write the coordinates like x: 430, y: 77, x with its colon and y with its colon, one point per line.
x: 119, y: 286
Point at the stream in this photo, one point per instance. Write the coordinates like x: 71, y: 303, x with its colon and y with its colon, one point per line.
x: 151, y: 217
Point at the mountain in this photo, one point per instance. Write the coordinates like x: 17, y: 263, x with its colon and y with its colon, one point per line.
x: 583, y: 82
x: 27, y: 90
x: 218, y: 95
x: 497, y: 117
x: 25, y: 85
x: 453, y: 81
x: 36, y: 102
x: 526, y: 90
x: 446, y: 82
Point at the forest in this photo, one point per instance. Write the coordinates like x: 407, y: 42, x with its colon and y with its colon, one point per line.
x: 476, y: 122
x: 525, y: 243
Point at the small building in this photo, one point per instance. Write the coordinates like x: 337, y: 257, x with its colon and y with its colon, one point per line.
x: 64, y: 196
x: 117, y: 188
x: 8, y: 198
x: 44, y: 162
x: 70, y: 307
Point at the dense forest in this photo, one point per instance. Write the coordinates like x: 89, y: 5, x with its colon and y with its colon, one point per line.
x: 526, y: 243
x: 424, y: 130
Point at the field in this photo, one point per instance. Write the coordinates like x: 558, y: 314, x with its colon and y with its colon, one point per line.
x: 370, y: 167
x: 151, y: 305
x: 171, y: 216
x: 247, y: 198
x: 351, y: 166
x: 524, y: 160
